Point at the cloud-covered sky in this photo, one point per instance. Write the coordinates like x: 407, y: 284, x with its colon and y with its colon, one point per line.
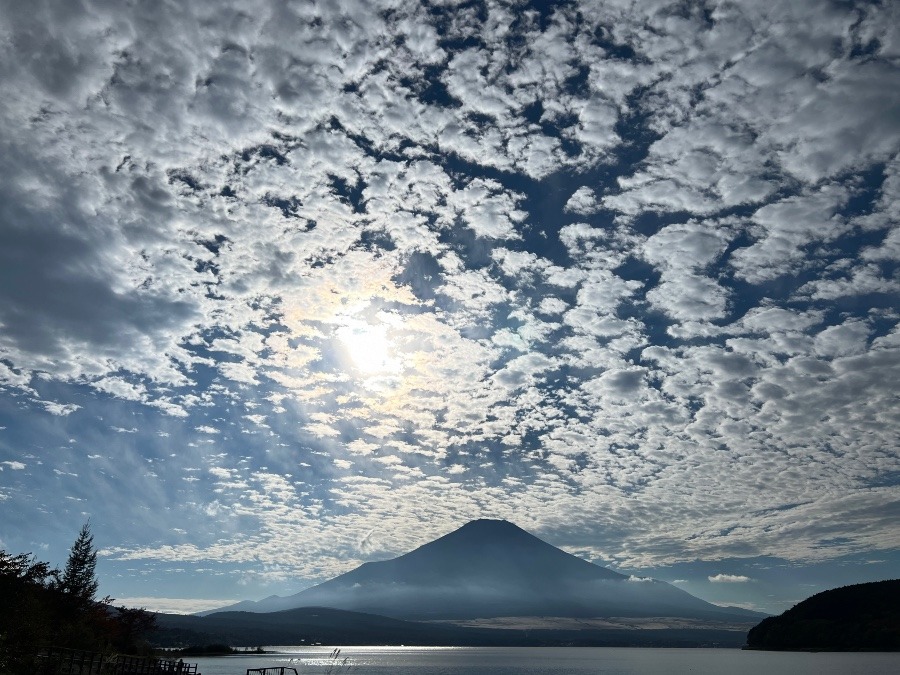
x: 290, y: 286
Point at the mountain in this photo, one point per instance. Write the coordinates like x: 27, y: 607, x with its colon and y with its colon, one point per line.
x: 492, y: 568
x: 850, y: 618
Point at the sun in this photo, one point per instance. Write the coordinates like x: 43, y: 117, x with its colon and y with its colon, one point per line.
x: 368, y: 347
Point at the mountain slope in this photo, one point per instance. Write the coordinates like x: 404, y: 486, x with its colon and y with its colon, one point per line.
x: 492, y: 568
x: 850, y: 618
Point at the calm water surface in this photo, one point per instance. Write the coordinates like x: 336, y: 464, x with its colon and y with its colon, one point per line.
x: 552, y: 661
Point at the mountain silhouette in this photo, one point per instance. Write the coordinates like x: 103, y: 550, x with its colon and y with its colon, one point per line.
x: 492, y: 568
x: 861, y: 617
x: 326, y: 626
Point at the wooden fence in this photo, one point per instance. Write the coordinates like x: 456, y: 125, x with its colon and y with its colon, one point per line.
x: 59, y: 661
x: 272, y: 670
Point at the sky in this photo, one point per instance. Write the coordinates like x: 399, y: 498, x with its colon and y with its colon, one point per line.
x: 286, y: 287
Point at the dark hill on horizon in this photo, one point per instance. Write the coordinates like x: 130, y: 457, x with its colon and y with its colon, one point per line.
x: 850, y: 618
x: 322, y: 625
x: 492, y: 568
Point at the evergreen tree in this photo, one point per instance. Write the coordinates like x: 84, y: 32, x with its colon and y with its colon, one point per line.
x: 79, y: 578
x: 41, y: 607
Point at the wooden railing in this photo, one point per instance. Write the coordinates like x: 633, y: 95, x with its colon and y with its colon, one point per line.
x: 135, y: 665
x: 271, y: 670
x: 67, y: 662
x: 59, y: 661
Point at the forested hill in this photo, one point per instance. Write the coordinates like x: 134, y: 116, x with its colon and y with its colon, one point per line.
x: 850, y: 618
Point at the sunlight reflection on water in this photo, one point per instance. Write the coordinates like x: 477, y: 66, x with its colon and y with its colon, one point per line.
x: 549, y: 661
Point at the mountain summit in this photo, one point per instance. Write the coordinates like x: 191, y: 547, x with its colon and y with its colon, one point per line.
x: 492, y: 568
x: 490, y: 554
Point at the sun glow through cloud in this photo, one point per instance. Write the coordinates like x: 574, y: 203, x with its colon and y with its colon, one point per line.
x: 368, y: 347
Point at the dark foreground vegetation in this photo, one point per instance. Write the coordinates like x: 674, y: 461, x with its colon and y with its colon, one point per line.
x: 43, y: 607
x: 863, y: 617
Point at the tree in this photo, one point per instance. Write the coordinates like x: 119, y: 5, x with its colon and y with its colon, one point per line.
x: 79, y: 578
x: 27, y: 598
x: 41, y: 607
x: 128, y: 627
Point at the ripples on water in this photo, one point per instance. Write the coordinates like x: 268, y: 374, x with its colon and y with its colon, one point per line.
x: 551, y: 661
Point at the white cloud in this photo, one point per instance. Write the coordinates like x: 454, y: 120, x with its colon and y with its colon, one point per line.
x: 784, y: 228
x: 729, y: 579
x: 844, y: 340
x: 583, y: 202
x: 60, y: 409
x: 172, y: 605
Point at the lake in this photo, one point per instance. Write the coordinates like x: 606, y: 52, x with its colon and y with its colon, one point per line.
x: 552, y: 661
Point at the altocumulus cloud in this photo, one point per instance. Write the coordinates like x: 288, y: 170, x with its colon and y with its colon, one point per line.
x: 729, y: 579
x: 624, y: 273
